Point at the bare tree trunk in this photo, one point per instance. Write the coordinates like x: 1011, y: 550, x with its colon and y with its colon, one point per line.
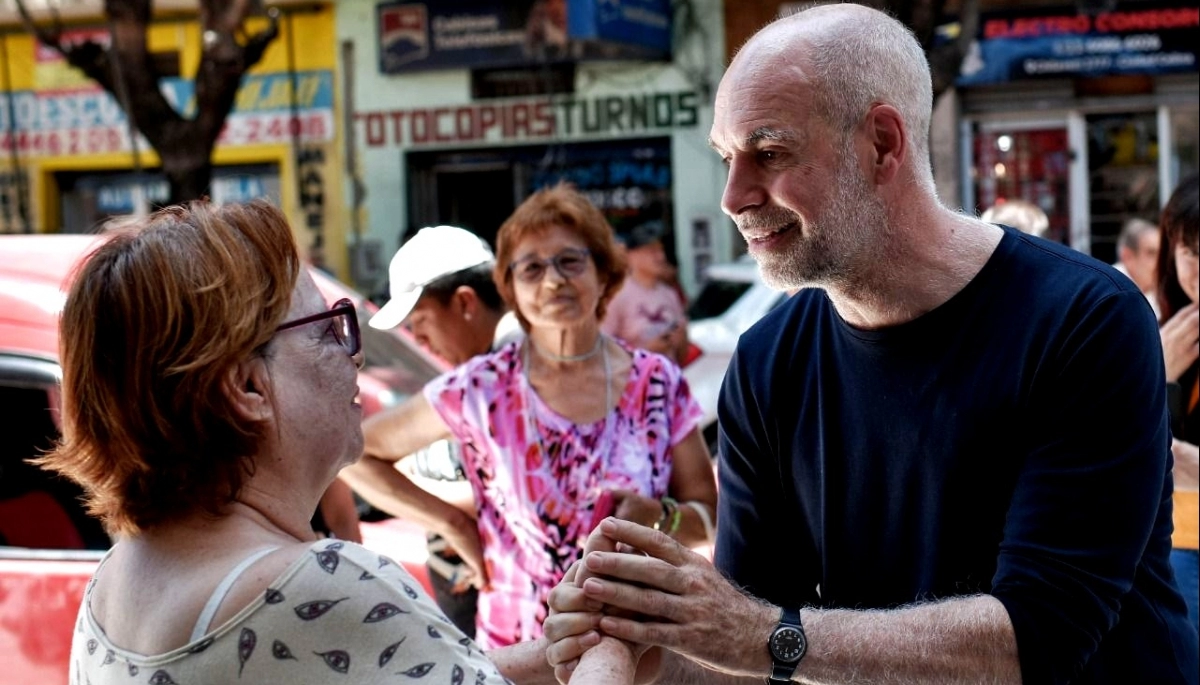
x: 184, y: 145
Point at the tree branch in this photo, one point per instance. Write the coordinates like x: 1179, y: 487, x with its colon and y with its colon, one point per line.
x: 223, y: 62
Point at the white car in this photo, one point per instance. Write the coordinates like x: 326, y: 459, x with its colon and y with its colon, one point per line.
x: 715, y: 337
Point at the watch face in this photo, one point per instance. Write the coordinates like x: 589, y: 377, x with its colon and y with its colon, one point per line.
x: 788, y: 644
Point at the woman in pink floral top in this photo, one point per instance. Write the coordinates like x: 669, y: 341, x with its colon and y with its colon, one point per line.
x: 548, y: 425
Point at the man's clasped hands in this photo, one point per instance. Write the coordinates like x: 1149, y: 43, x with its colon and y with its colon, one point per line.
x: 635, y: 593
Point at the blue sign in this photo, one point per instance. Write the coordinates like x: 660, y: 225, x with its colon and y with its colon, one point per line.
x: 450, y: 34
x: 1064, y: 43
x: 642, y: 23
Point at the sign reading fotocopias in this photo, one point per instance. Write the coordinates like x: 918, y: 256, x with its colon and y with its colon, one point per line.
x: 529, y: 119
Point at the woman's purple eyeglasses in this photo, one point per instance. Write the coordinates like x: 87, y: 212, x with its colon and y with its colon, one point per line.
x: 345, y: 325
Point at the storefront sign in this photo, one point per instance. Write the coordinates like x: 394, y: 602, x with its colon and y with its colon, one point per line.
x: 89, y: 120
x: 450, y: 34
x: 646, y: 23
x: 530, y: 119
x: 1065, y: 43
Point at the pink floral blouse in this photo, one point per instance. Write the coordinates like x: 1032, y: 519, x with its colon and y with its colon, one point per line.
x: 535, y: 501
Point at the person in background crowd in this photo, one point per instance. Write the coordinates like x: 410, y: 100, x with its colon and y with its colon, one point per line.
x: 442, y: 290
x: 1178, y: 290
x: 944, y: 459
x: 1137, y: 257
x: 551, y: 426
x: 646, y: 312
x: 1022, y: 215
x: 209, y: 398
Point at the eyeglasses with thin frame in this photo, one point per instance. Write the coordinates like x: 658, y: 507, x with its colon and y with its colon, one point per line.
x: 344, y: 326
x: 569, y: 263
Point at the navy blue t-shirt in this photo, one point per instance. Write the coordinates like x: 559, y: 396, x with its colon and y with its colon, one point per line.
x: 1013, y: 441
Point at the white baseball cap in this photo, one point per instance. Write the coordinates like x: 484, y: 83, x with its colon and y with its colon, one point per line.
x: 435, y: 251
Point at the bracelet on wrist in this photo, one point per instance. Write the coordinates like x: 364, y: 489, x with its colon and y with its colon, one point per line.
x: 670, y: 508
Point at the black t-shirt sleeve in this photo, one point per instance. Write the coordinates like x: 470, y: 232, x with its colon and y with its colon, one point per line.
x: 749, y: 510
x: 1090, y: 488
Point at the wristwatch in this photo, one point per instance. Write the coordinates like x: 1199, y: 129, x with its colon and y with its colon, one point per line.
x: 787, y: 646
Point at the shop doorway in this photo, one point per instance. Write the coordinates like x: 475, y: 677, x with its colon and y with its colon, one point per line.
x: 491, y: 199
x: 1028, y: 161
x: 628, y: 180
x: 1123, y: 183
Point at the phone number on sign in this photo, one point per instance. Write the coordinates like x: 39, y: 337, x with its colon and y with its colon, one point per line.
x: 239, y: 130
x: 255, y: 129
x: 75, y: 141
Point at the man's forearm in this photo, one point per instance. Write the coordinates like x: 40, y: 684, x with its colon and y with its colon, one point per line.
x: 967, y: 640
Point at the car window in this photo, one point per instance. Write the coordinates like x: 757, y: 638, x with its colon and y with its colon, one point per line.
x: 715, y: 297
x: 37, y: 508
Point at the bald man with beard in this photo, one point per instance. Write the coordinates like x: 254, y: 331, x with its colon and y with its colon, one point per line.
x: 946, y: 459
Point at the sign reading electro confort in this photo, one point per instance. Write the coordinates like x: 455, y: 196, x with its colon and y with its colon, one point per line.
x: 1065, y: 43
x: 448, y: 34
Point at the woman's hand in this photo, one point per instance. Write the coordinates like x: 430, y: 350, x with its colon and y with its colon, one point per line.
x: 1181, y: 341
x: 611, y: 655
x: 462, y: 535
x: 630, y: 506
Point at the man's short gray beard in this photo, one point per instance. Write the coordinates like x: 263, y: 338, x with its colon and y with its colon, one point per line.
x: 829, y: 252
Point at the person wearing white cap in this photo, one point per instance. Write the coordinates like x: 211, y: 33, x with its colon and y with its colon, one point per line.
x: 442, y: 290
x: 558, y: 430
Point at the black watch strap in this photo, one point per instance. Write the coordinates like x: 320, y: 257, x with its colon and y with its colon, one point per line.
x: 787, y: 646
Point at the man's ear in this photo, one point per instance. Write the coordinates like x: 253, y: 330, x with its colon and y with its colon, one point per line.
x: 886, y: 131
x: 248, y: 386
x: 466, y: 301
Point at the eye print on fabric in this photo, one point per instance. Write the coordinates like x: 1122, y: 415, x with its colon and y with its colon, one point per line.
x: 387, y: 654
x: 273, y: 596
x: 366, y: 575
x: 338, y: 660
x: 412, y: 594
x: 419, y: 671
x: 247, y: 640
x: 433, y: 632
x: 384, y: 561
x: 280, y: 651
x: 383, y: 611
x: 91, y: 647
x: 328, y: 560
x: 133, y: 670
x: 162, y: 678
x: 109, y: 657
x: 316, y: 609
x: 456, y: 675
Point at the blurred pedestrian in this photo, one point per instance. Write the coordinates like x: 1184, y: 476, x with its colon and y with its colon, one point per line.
x: 1137, y: 257
x: 548, y: 425
x: 1022, y: 215
x: 209, y: 398
x: 948, y: 460
x: 1178, y: 293
x: 442, y: 290
x: 647, y: 312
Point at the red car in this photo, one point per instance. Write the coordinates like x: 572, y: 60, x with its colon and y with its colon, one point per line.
x: 48, y: 546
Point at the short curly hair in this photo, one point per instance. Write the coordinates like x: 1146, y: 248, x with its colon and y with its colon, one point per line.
x: 559, y: 205
x: 156, y: 318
